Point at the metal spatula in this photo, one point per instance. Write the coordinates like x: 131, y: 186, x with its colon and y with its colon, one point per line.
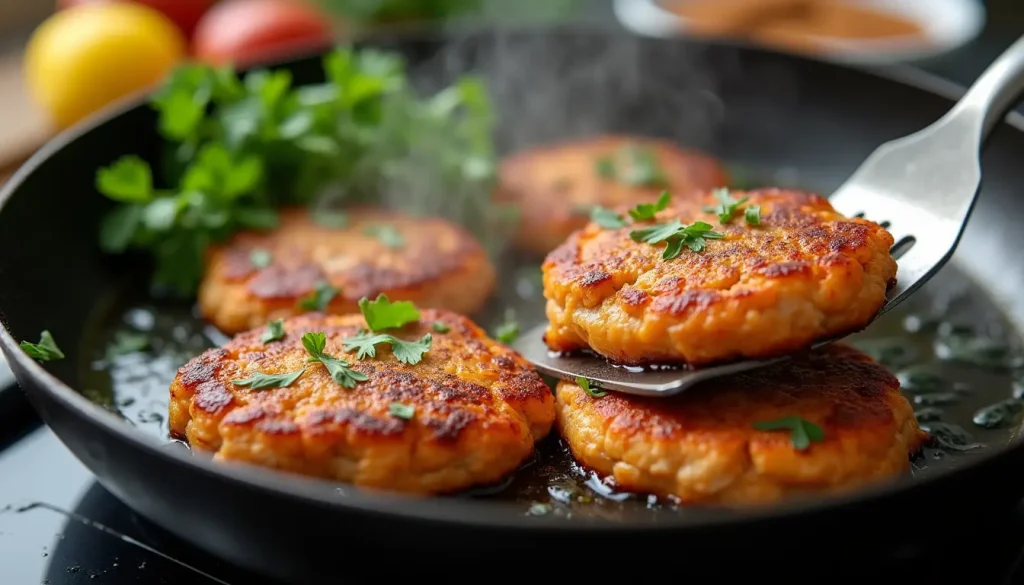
x: 920, y: 187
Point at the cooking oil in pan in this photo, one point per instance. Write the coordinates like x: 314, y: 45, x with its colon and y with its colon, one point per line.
x: 959, y: 362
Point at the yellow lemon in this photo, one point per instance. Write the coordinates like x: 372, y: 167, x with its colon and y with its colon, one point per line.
x: 82, y: 58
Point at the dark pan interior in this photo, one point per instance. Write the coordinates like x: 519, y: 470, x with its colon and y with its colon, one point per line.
x: 795, y: 120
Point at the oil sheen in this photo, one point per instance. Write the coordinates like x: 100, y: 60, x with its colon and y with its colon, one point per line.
x: 958, y: 360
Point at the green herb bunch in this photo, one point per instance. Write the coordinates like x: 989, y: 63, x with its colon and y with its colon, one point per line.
x: 241, y: 147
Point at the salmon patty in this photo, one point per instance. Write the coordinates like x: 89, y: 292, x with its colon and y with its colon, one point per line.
x: 802, y: 274
x: 556, y: 186
x: 260, y: 276
x: 702, y: 446
x: 468, y: 414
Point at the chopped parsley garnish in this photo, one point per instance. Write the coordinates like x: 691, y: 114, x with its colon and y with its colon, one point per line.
x: 44, y: 351
x: 381, y: 314
x: 274, y: 332
x: 440, y: 327
x: 402, y: 411
x: 606, y: 218
x: 632, y: 165
x: 508, y: 331
x: 340, y: 370
x: 605, y: 167
x: 802, y: 432
x: 726, y: 207
x: 239, y: 148
x: 387, y: 234
x: 676, y: 235
x: 320, y: 298
x: 261, y: 381
x: 260, y: 258
x: 646, y: 211
x: 590, y: 389
x: 407, y: 352
x: 752, y: 214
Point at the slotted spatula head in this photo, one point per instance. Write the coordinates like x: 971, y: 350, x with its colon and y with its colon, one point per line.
x: 921, y: 188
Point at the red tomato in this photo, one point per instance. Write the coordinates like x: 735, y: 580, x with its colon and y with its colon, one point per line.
x: 184, y: 13
x: 246, y: 32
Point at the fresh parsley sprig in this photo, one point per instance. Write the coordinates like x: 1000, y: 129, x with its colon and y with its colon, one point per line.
x: 382, y: 314
x: 274, y: 331
x: 727, y: 208
x: 592, y: 390
x: 44, y: 351
x: 675, y: 234
x: 802, y: 432
x: 320, y: 298
x: 408, y: 352
x: 647, y: 211
x: 261, y: 381
x: 240, y: 148
x: 340, y: 370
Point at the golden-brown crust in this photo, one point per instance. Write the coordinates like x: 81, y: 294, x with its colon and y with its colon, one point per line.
x: 556, y: 185
x: 440, y: 265
x: 701, y: 446
x: 805, y: 273
x: 479, y: 407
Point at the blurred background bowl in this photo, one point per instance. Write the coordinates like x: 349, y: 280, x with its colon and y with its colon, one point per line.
x: 869, y: 32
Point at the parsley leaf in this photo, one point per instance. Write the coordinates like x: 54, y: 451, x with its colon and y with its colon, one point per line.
x: 402, y: 411
x: 128, y: 180
x: 727, y: 206
x: 440, y: 327
x: 753, y: 214
x: 589, y: 388
x: 381, y: 314
x: 676, y: 235
x: 407, y: 352
x: 340, y: 370
x: 320, y: 298
x: 238, y: 148
x: 802, y: 432
x: 642, y: 168
x: 44, y: 351
x: 387, y: 234
x: 274, y: 332
x: 260, y: 258
x: 645, y: 211
x: 606, y: 218
x: 604, y: 167
x: 261, y: 381
x: 508, y: 331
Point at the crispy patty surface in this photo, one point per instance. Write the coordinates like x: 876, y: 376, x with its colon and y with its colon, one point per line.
x: 432, y: 262
x: 805, y: 273
x: 701, y: 446
x: 557, y: 185
x: 479, y: 407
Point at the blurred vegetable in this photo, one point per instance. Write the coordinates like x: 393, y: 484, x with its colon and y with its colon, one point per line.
x: 184, y: 13
x: 85, y: 57
x: 241, y: 148
x: 245, y: 32
x: 387, y: 11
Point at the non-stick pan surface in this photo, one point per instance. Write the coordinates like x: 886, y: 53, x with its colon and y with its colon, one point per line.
x: 767, y: 110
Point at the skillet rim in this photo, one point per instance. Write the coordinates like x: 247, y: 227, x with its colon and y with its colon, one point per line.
x: 472, y: 512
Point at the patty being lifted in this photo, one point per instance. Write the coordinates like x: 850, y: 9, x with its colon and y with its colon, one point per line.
x: 260, y: 276
x: 802, y: 273
x: 468, y: 414
x: 840, y: 423
x: 556, y: 186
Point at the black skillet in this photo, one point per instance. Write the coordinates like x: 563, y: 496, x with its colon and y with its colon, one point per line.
x: 771, y: 111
